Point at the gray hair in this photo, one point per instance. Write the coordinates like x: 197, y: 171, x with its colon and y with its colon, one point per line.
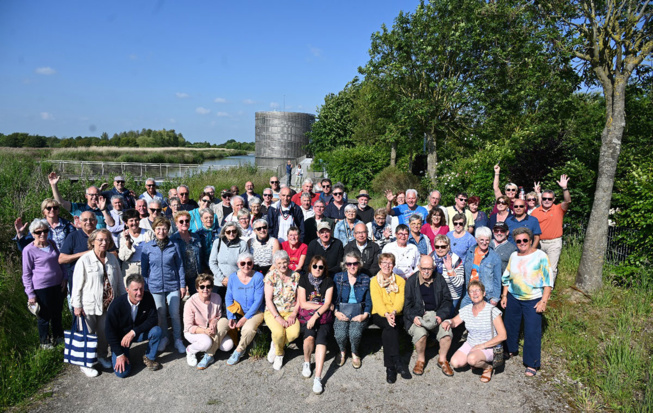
x: 260, y: 221
x: 174, y: 199
x: 243, y: 212
x: 245, y: 255
x: 154, y: 201
x: 549, y: 191
x: 93, y: 186
x: 415, y: 217
x: 434, y: 191
x: 483, y: 232
x: 255, y: 201
x: 231, y: 224
x: 205, y: 211
x: 350, y: 207
x: 237, y: 197
x: 183, y: 186
x: 152, y: 180
x: 120, y: 198
x: 351, y: 254
x: 268, y: 189
x: 318, y: 201
x: 306, y: 195
x: 210, y: 187
x: 38, y: 223
x: 280, y: 255
x: 411, y: 191
x: 307, y: 181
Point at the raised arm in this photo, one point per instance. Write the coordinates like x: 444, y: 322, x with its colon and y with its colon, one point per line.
x: 390, y: 197
x: 53, y: 178
x: 495, y: 183
x: 564, y: 180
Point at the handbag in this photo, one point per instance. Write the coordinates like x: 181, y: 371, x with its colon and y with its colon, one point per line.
x: 80, y: 346
x: 351, y: 310
x: 305, y: 315
x: 497, y: 360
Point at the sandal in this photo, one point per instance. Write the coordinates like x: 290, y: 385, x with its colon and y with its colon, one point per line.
x: 530, y: 372
x: 487, y: 375
x: 355, y: 361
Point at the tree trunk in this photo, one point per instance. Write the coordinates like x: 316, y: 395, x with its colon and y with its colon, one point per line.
x: 431, y: 156
x: 590, y: 270
x: 393, y: 154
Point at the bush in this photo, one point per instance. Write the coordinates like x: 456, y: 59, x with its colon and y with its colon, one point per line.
x: 355, y: 167
x: 396, y: 180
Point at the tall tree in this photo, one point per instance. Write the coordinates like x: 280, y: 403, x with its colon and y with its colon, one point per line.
x: 613, y: 38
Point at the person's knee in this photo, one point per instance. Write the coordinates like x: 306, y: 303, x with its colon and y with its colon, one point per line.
x: 456, y: 362
x: 155, y: 332
x: 474, y: 358
x: 125, y: 372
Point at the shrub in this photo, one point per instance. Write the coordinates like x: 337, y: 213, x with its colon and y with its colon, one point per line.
x: 355, y: 167
x: 395, y: 179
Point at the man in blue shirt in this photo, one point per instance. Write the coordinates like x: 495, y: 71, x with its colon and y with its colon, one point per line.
x: 522, y: 219
x: 119, y: 189
x: 95, y: 203
x: 404, y: 211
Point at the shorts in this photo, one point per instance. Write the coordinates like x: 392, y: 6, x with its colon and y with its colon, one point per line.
x: 466, y: 348
x: 320, y: 332
x: 418, y: 332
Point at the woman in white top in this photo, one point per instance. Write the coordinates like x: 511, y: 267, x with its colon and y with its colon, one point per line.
x: 131, y: 243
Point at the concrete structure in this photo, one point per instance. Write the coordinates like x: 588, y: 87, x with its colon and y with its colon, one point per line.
x: 281, y: 136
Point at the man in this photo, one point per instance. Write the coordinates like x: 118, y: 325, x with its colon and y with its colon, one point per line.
x: 132, y: 318
x: 141, y: 207
x: 119, y: 189
x: 522, y: 219
x: 117, y: 208
x: 550, y: 217
x: 368, y: 250
x: 187, y: 204
x: 326, y: 246
x: 237, y: 203
x: 155, y: 210
x: 406, y: 255
x: 434, y: 202
x: 404, y: 211
x: 209, y: 190
x: 424, y: 313
x: 268, y: 200
x: 326, y: 196
x: 500, y: 244
x: 288, y: 172
x: 249, y: 193
x: 95, y: 203
x: 222, y: 208
x: 510, y: 188
x: 275, y: 186
x: 234, y: 189
x: 310, y: 225
x: 336, y: 208
x: 364, y: 212
x: 288, y: 214
x: 460, y: 207
x: 306, y: 207
x: 307, y: 188
x: 151, y: 193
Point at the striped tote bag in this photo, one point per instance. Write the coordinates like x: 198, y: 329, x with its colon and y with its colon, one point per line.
x: 81, y: 347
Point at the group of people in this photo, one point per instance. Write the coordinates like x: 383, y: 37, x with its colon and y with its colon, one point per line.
x: 306, y: 263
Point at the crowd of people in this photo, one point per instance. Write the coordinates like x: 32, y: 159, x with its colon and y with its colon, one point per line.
x: 310, y: 264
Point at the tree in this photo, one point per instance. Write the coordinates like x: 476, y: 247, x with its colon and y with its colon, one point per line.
x: 612, y: 38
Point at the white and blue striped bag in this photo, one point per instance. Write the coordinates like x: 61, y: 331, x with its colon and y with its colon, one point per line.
x: 81, y: 347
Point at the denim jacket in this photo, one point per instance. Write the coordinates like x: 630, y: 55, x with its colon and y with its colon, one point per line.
x: 361, y: 290
x: 489, y: 273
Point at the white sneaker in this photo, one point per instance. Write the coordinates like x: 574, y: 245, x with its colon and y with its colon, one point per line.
x: 191, y: 359
x: 278, y: 362
x: 317, y: 386
x: 89, y: 371
x: 163, y: 344
x: 272, y: 353
x: 306, y: 369
x: 179, y: 345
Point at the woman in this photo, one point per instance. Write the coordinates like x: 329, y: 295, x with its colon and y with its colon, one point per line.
x: 174, y: 205
x: 44, y: 282
x: 480, y: 217
x: 190, y: 246
x: 387, y: 292
x: 380, y: 229
x: 97, y: 280
x: 299, y: 173
x: 263, y: 246
x: 208, y: 233
x: 315, y: 295
x: 436, y: 224
x: 416, y: 237
x: 224, y: 255
x: 256, y: 210
x: 353, y: 307
x: 162, y: 267
x: 205, y: 324
x: 527, y: 285
x: 245, y: 303
x: 296, y: 250
x: 344, y: 230
x: 485, y: 330
x: 281, y: 307
x: 196, y: 221
x: 59, y: 228
x: 503, y: 211
x: 483, y: 264
x: 243, y: 219
x: 450, y: 266
x: 532, y: 201
x: 461, y: 240
x: 400, y: 199
x: 131, y: 242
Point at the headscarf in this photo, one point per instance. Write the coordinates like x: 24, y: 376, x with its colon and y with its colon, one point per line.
x: 315, y: 281
x: 377, y: 230
x: 162, y: 243
x: 439, y: 262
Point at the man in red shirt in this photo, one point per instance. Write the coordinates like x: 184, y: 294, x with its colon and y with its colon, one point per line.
x: 307, y: 187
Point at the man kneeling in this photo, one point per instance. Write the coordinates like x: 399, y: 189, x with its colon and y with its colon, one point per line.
x: 132, y: 317
x: 428, y: 302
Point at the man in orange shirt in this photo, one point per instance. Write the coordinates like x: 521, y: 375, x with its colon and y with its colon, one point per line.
x: 550, y: 217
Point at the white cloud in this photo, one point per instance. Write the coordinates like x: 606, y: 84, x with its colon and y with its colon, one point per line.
x: 274, y: 105
x: 315, y: 51
x: 220, y: 100
x: 248, y: 101
x: 182, y: 95
x: 222, y: 114
x: 203, y: 111
x: 45, y: 71
x: 47, y: 116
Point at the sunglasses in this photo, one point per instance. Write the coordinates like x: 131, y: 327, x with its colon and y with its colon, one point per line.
x: 205, y: 287
x: 318, y: 267
x: 531, y: 199
x: 231, y: 232
x: 149, y: 185
x: 274, y: 182
x: 184, y: 221
x: 326, y: 186
x: 352, y: 264
x: 547, y: 199
x: 182, y: 193
x: 462, y: 199
x: 337, y: 194
x: 52, y: 208
x: 267, y: 194
x: 501, y: 203
x: 522, y: 241
x: 499, y: 231
x: 511, y: 190
x: 519, y: 206
x: 456, y: 224
x: 119, y: 182
x: 155, y: 209
x: 260, y: 228
x: 45, y: 231
x: 206, y: 200
x: 246, y: 264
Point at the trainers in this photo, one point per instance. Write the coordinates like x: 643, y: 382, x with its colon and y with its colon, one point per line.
x: 191, y: 359
x: 205, y: 362
x: 278, y: 362
x: 179, y: 345
x: 151, y: 364
x: 272, y: 353
x: 105, y: 363
x: 89, y: 371
x: 46, y: 346
x: 234, y: 358
x: 163, y: 344
x: 306, y: 369
x: 317, y: 385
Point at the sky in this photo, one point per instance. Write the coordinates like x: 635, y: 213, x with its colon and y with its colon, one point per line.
x: 202, y: 68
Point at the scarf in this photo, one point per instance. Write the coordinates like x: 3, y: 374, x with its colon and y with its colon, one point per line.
x: 377, y: 230
x: 162, y: 243
x: 439, y: 262
x: 390, y: 285
x: 315, y: 282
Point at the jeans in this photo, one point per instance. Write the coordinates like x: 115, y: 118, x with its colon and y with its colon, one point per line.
x: 154, y: 336
x: 172, y: 300
x: 515, y: 310
x: 50, y: 301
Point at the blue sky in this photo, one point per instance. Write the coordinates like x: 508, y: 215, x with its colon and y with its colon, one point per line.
x: 202, y: 68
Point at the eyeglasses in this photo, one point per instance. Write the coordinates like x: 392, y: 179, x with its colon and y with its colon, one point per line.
x: 89, y: 220
x: 502, y: 203
x: 511, y: 190
x: 519, y: 206
x: 522, y: 241
x: 360, y: 232
x: 457, y: 224
x: 37, y: 233
x: 155, y: 209
x: 352, y: 264
x: 384, y: 263
x: 547, y: 199
x: 318, y: 267
x: 337, y: 194
x: 426, y: 269
x: 93, y: 195
x: 260, y: 228
x: 246, y: 264
x: 274, y: 182
x: 231, y: 232
x: 205, y: 287
x: 52, y: 208
x: 441, y: 247
x: 402, y: 234
x: 183, y: 221
x: 531, y: 199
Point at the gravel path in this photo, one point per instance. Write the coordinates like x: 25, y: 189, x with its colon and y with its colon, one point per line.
x: 252, y: 385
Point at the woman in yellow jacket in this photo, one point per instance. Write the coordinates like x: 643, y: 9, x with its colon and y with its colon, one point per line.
x: 387, y: 292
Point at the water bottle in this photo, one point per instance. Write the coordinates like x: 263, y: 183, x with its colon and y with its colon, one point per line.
x: 522, y: 194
